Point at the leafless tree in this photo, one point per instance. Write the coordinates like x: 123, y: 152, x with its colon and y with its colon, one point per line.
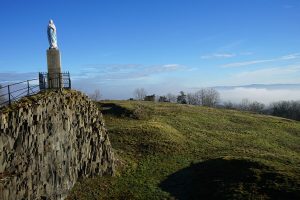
x: 256, y: 107
x: 96, y: 96
x: 248, y: 105
x: 191, y: 98
x: 196, y: 98
x: 244, y: 105
x: 207, y: 97
x: 287, y: 109
x: 140, y: 93
x: 229, y: 105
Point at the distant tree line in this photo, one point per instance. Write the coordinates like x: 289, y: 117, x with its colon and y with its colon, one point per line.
x: 286, y: 109
x: 204, y: 97
x: 246, y: 105
x: 210, y: 97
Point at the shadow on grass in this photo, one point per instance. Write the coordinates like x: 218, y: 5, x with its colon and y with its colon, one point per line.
x: 230, y: 179
x: 139, y: 111
x: 115, y: 110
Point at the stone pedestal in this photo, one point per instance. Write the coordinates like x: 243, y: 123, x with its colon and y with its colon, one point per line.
x: 54, y: 68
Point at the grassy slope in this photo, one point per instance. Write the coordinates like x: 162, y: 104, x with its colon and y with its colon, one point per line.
x: 168, y: 151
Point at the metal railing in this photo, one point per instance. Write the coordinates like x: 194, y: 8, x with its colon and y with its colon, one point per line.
x: 13, y: 92
x: 54, y: 81
x: 16, y: 91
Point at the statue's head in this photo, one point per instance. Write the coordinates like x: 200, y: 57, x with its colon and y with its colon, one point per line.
x: 50, y: 21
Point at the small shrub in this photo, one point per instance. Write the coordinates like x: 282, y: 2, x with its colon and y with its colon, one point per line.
x: 141, y: 111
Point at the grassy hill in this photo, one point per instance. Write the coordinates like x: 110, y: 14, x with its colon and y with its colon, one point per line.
x: 171, y: 151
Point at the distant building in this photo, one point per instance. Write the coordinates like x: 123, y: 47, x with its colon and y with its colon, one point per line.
x: 150, y: 98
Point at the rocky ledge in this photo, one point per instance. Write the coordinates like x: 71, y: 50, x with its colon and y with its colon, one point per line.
x: 48, y: 141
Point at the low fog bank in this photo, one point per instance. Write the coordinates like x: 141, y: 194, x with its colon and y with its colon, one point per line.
x: 262, y: 95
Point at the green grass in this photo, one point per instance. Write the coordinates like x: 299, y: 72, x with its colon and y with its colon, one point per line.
x: 171, y: 151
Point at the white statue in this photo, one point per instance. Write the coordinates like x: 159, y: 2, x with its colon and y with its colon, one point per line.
x: 51, y: 31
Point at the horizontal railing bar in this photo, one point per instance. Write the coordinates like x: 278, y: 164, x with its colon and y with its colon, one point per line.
x: 19, y: 90
x: 18, y: 83
x: 22, y: 89
x: 16, y: 97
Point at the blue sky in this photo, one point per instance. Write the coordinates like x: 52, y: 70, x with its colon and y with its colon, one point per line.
x: 160, y: 45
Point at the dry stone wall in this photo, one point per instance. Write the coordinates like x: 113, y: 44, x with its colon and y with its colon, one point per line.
x: 47, y: 142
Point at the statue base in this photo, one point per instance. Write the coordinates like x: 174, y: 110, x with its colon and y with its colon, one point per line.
x: 54, y: 69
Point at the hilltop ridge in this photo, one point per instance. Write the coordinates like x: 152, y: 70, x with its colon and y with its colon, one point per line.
x: 173, y: 151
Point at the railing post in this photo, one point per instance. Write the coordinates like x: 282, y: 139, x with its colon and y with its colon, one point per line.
x: 8, y: 89
x: 69, y: 82
x: 41, y: 81
x: 60, y: 77
x: 28, y: 92
x: 49, y: 85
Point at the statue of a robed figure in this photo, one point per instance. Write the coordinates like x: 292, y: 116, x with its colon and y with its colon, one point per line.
x: 51, y: 31
x: 53, y: 59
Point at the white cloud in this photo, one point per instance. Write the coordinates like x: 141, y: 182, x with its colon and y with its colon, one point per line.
x: 290, y: 56
x: 218, y: 55
x: 231, y: 45
x: 240, y: 64
x: 253, y: 62
x: 246, y: 53
x: 171, y: 66
x: 225, y: 55
x: 95, y: 72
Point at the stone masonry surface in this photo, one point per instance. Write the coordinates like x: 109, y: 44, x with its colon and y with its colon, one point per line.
x: 48, y: 141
